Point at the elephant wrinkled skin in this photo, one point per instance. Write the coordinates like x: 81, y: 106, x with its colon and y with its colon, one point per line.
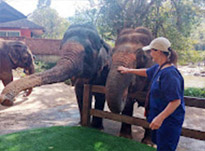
x: 127, y: 52
x: 84, y: 59
x: 14, y: 54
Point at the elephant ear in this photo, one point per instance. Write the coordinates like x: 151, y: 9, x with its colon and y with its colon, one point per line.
x: 14, y: 51
x: 104, y: 56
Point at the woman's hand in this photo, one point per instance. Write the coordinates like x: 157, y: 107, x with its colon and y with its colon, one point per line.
x: 156, y: 122
x: 122, y: 69
x: 171, y: 107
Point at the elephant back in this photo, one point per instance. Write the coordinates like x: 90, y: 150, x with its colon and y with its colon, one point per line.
x: 134, y: 36
x: 85, y: 34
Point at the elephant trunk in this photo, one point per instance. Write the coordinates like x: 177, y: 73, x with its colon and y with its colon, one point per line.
x: 117, y: 84
x: 31, y: 69
x: 117, y: 90
x: 71, y: 64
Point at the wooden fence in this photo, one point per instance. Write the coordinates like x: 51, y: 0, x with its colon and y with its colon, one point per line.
x: 88, y: 111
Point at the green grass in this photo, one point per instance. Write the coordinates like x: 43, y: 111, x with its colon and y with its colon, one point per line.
x: 67, y: 139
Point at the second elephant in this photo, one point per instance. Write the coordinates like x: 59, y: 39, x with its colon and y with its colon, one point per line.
x: 127, y: 52
x: 14, y: 54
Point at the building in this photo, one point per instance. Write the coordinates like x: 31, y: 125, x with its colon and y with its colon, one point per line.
x: 15, y: 24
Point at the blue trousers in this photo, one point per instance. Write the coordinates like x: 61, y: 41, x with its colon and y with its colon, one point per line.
x: 167, y: 136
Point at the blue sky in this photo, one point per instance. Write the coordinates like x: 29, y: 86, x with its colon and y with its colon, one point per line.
x: 65, y: 8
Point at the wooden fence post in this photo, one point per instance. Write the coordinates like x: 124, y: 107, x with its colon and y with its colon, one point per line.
x: 87, y: 101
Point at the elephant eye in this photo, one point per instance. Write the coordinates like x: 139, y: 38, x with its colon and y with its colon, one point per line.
x: 24, y: 59
x: 144, y: 57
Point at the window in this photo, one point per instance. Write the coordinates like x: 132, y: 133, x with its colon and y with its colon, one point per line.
x: 2, y: 34
x: 9, y: 33
x: 13, y: 34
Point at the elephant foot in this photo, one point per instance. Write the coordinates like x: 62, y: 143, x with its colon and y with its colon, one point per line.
x: 126, y: 131
x: 7, y: 103
x: 97, y: 126
x: 126, y: 135
x: 148, y: 141
x: 97, y: 123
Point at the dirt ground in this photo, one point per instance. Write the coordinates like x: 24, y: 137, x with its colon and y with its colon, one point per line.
x: 52, y: 105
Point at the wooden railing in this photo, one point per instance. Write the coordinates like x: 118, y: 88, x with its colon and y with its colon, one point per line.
x: 88, y: 111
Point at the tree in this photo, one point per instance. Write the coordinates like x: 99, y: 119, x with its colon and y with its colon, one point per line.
x: 84, y: 16
x: 43, y: 3
x: 174, y: 19
x: 199, y: 37
x: 54, y: 25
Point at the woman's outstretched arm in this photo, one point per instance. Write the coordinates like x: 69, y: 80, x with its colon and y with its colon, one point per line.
x: 140, y: 72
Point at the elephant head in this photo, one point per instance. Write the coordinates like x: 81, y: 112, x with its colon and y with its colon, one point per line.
x: 14, y: 54
x: 127, y: 52
x: 21, y: 56
x: 83, y: 55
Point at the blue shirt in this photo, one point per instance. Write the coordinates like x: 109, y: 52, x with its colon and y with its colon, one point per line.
x: 167, y: 86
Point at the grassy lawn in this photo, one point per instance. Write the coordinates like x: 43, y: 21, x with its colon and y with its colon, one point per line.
x: 67, y: 139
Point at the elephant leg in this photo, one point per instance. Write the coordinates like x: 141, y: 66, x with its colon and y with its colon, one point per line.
x: 126, y: 129
x: 99, y: 104
x: 147, y: 137
x: 79, y: 95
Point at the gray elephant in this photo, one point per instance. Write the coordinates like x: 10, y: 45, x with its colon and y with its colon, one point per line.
x: 14, y: 54
x: 127, y: 52
x: 85, y: 58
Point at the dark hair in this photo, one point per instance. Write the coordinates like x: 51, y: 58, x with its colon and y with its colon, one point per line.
x: 172, y: 56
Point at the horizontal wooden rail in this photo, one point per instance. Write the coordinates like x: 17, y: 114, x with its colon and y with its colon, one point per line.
x: 142, y: 122
x: 194, y: 102
x: 120, y: 118
x: 140, y: 96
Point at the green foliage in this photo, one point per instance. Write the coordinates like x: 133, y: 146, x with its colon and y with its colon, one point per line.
x: 48, y: 18
x: 43, y: 3
x: 84, y: 16
x: 68, y: 82
x: 199, y: 37
x: 195, y: 92
x: 68, y: 139
x: 41, y: 66
x: 187, y: 56
x: 174, y: 19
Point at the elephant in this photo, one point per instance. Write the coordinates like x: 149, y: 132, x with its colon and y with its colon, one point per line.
x: 128, y: 52
x: 14, y: 54
x: 85, y: 58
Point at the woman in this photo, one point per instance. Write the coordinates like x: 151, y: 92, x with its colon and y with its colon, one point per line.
x: 166, y: 107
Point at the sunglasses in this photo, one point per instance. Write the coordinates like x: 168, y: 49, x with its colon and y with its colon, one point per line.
x: 154, y: 49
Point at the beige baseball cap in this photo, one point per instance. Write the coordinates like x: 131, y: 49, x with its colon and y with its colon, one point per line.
x: 159, y: 43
